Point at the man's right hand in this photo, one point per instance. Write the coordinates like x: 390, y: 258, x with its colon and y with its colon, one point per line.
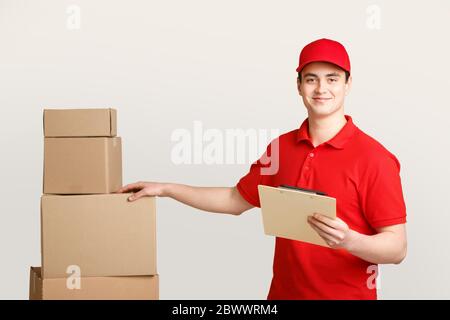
x: 142, y: 189
x: 211, y: 199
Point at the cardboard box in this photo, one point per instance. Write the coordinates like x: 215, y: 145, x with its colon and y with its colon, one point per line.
x: 82, y: 165
x: 80, y: 122
x: 93, y: 288
x: 104, y: 235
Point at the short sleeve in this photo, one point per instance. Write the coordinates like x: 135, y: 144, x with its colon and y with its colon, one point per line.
x: 381, y: 192
x: 259, y: 173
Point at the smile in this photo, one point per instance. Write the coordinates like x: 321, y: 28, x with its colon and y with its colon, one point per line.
x: 321, y: 99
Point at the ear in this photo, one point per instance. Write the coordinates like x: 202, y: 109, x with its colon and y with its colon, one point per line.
x: 299, y: 87
x: 348, y: 85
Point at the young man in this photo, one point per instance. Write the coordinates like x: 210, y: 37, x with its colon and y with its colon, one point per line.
x: 328, y: 153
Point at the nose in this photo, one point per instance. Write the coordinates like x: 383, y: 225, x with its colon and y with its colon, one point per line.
x: 321, y: 87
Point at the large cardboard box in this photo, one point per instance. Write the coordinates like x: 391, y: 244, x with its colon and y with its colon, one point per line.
x: 103, y: 235
x: 82, y: 165
x: 80, y: 122
x: 93, y: 288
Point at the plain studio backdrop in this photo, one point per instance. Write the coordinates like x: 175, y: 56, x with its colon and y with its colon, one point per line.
x: 228, y: 65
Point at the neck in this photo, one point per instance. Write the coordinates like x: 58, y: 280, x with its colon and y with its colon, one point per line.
x: 322, y: 129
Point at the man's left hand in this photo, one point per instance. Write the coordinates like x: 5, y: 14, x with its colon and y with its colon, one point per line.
x: 335, y: 232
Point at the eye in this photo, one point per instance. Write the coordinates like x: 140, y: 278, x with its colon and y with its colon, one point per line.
x: 333, y: 80
x: 310, y: 80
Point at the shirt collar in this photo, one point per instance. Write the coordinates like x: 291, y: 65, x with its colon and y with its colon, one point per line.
x: 338, y: 141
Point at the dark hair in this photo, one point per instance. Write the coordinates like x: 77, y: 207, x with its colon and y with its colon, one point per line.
x: 347, y: 75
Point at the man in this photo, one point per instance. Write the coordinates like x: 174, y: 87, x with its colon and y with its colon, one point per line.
x: 328, y: 153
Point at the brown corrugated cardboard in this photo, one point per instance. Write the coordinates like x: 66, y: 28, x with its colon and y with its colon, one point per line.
x: 93, y: 288
x: 80, y: 122
x: 104, y: 235
x: 82, y: 165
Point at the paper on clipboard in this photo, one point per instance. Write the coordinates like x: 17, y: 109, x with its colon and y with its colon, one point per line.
x: 285, y: 213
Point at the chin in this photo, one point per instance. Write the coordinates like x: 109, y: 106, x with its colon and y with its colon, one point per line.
x: 322, y: 111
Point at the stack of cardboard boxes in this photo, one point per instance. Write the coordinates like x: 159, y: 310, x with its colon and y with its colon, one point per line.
x: 94, y: 243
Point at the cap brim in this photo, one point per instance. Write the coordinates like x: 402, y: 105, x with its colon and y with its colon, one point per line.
x: 300, y: 67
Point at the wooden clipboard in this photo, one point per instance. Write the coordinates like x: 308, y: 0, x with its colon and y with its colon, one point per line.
x: 285, y: 212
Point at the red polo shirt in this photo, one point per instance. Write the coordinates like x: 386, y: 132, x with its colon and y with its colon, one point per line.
x: 364, y: 178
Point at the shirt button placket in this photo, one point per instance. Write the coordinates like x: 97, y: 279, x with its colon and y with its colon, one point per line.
x: 308, y: 174
x: 309, y: 160
x: 306, y: 170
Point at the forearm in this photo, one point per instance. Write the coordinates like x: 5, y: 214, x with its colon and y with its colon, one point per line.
x: 212, y: 199
x: 382, y: 248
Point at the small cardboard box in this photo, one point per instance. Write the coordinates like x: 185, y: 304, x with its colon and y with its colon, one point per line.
x: 103, y: 235
x: 82, y: 165
x: 93, y: 288
x: 80, y: 122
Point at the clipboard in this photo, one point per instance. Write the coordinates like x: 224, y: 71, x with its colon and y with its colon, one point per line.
x: 285, y: 211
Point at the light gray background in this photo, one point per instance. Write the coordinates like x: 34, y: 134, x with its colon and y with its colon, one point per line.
x: 229, y: 64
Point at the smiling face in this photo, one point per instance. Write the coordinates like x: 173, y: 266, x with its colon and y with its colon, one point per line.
x: 323, y: 88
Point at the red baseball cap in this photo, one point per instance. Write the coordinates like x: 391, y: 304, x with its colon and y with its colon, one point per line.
x: 324, y: 50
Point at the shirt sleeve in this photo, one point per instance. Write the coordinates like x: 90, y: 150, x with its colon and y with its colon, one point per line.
x: 259, y: 173
x: 381, y: 192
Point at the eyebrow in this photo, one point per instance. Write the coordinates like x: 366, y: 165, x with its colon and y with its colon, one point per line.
x: 334, y: 74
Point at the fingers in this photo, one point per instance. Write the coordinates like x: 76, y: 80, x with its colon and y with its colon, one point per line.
x: 131, y: 187
x: 137, y: 195
x: 330, y: 240
x: 328, y: 221
x: 335, y: 232
x: 326, y: 229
